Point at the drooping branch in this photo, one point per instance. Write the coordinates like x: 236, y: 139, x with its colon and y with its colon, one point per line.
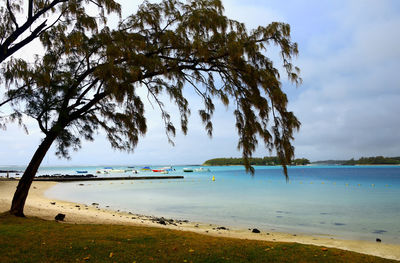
x: 12, y: 16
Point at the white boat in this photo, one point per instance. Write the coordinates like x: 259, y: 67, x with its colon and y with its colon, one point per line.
x: 188, y: 170
x: 116, y: 171
x: 202, y: 170
x: 167, y: 168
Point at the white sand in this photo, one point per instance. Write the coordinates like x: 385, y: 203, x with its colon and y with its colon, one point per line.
x: 38, y: 205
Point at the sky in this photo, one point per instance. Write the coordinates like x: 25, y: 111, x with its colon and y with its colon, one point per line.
x: 348, y: 104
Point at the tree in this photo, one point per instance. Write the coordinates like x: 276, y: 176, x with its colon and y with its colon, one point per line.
x: 84, y: 83
x: 19, y: 28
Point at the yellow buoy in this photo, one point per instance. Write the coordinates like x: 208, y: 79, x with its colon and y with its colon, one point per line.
x: 213, y: 178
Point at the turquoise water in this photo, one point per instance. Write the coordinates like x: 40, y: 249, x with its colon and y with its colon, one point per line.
x: 357, y: 202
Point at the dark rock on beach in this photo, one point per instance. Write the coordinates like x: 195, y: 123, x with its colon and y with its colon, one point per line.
x: 222, y: 228
x: 59, y: 217
x: 339, y: 224
x: 255, y: 230
x: 378, y: 240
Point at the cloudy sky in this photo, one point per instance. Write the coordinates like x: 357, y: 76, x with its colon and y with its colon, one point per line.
x: 349, y: 103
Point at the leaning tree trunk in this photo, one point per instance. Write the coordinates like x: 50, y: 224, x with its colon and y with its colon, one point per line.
x: 18, y: 202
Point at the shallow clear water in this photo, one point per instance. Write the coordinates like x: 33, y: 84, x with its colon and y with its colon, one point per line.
x: 346, y: 202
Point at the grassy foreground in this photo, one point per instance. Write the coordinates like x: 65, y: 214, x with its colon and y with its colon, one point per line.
x: 37, y: 240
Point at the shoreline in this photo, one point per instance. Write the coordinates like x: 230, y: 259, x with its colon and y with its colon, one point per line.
x: 40, y: 206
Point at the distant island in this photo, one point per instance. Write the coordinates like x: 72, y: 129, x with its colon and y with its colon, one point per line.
x: 271, y: 161
x: 377, y: 160
x: 274, y: 160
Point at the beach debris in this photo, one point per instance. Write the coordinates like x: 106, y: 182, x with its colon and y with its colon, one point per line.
x: 255, y: 230
x: 324, y: 249
x: 378, y: 240
x: 95, y: 204
x: 222, y: 228
x: 191, y: 250
x: 52, y: 203
x: 77, y: 206
x: 111, y: 254
x: 59, y: 217
x: 81, y: 184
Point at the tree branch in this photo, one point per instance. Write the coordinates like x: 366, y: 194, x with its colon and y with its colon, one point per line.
x: 25, y: 41
x: 30, y: 9
x: 12, y: 16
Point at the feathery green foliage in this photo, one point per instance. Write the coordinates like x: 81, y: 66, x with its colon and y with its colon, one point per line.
x: 89, y: 81
x: 21, y: 22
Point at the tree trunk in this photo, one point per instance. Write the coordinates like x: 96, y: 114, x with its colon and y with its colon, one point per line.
x: 18, y: 202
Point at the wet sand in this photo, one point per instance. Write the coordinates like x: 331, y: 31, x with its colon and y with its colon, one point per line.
x: 40, y: 206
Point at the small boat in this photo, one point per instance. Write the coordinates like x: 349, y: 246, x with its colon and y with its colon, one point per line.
x: 82, y: 172
x: 157, y: 170
x: 146, y: 169
x: 116, y: 171
x: 164, y: 172
x: 203, y: 170
x: 188, y: 170
x: 131, y: 167
x: 108, y: 168
x: 167, y: 168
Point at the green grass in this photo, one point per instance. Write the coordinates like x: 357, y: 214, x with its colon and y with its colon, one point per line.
x: 37, y: 240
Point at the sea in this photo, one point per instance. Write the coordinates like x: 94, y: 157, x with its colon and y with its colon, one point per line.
x: 342, y: 202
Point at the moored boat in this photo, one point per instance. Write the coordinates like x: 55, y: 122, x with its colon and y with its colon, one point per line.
x: 167, y: 168
x: 188, y: 170
x: 82, y: 172
x: 202, y: 170
x: 116, y: 171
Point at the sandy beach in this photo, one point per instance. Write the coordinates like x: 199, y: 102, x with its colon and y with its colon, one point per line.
x: 39, y: 206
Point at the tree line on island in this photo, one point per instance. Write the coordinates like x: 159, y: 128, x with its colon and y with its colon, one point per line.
x: 372, y: 160
x: 273, y: 160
